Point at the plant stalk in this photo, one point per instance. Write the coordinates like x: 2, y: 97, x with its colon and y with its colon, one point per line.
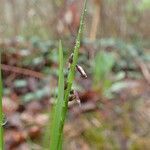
x: 1, y: 111
x: 71, y: 74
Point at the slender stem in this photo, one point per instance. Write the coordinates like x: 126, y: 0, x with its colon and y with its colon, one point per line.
x: 75, y: 59
x: 1, y: 111
x: 71, y: 74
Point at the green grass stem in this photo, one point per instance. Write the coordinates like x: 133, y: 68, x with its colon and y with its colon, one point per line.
x: 1, y: 111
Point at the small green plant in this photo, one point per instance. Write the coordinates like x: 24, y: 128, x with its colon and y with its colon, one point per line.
x: 102, y: 67
x: 61, y: 106
x: 1, y: 112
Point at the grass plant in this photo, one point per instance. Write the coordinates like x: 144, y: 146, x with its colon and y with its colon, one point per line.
x: 1, y: 111
x: 61, y: 106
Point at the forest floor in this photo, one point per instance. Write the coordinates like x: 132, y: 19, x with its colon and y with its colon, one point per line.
x: 118, y: 122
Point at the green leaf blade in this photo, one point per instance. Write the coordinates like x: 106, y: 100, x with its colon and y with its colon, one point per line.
x: 57, y: 114
x: 1, y: 111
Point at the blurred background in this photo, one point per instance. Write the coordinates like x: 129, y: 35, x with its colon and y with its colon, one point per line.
x: 115, y: 54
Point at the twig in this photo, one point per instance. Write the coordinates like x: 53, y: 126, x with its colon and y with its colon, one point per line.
x: 23, y: 71
x: 95, y: 20
x: 144, y: 69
